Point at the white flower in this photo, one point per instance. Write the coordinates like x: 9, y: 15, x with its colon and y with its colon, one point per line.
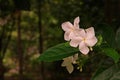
x: 68, y: 62
x: 85, y: 40
x: 70, y: 29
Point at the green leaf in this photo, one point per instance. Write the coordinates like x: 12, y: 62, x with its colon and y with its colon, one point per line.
x: 112, y: 53
x: 111, y: 73
x: 102, y: 66
x: 57, y: 52
x: 118, y: 38
x: 107, y: 32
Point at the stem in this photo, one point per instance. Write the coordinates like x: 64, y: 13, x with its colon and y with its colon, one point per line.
x: 40, y: 38
x: 19, y: 46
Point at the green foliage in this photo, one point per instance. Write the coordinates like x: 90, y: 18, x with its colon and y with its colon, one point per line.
x: 57, y: 52
x: 106, y: 42
x: 108, y: 34
x: 111, y: 73
x: 102, y: 66
x: 118, y: 38
x: 112, y: 53
x: 53, y: 13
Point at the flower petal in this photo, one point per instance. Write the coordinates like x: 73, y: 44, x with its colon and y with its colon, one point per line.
x: 90, y: 32
x: 83, y: 48
x: 70, y: 68
x: 75, y: 33
x: 63, y: 64
x: 82, y: 33
x: 74, y: 42
x: 66, y: 36
x: 66, y: 26
x: 67, y: 61
x: 75, y: 57
x: 72, y: 35
x: 76, y: 22
x: 91, y: 42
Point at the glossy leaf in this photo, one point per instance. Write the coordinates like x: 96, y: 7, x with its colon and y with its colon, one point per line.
x: 58, y: 52
x: 112, y: 53
x: 112, y: 73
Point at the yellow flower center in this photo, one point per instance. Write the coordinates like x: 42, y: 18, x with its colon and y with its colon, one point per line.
x: 72, y: 29
x: 84, y: 39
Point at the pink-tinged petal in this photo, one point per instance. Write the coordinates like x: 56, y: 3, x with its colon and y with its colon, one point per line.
x: 74, y: 42
x: 70, y: 68
x: 77, y: 32
x: 82, y: 33
x: 72, y: 35
x: 91, y: 42
x: 83, y: 48
x: 76, y: 22
x: 66, y: 26
x: 66, y: 36
x: 90, y: 32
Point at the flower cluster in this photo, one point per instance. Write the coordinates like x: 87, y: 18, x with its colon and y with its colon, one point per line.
x: 84, y: 39
x: 69, y: 61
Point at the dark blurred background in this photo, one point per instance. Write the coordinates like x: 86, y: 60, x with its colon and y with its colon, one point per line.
x: 29, y: 27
